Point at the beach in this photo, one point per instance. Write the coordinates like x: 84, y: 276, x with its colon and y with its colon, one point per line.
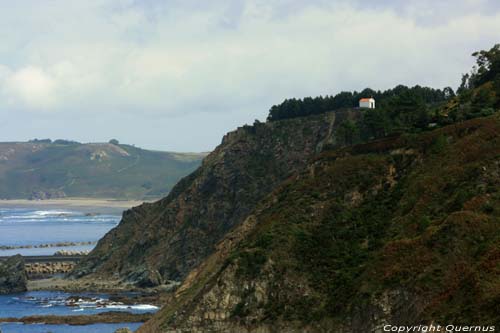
x: 96, y: 205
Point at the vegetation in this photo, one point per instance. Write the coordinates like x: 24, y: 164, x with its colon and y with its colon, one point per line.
x: 408, y: 110
x: 355, y: 234
x: 400, y: 97
x: 369, y: 221
x: 46, y: 169
x: 403, y: 229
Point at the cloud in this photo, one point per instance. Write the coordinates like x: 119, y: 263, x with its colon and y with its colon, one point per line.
x: 31, y: 87
x: 172, y: 61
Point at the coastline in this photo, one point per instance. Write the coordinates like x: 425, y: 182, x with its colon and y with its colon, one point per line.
x: 82, y: 203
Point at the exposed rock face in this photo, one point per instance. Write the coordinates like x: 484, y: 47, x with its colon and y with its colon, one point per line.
x: 365, y: 236
x: 12, y: 275
x: 165, y: 240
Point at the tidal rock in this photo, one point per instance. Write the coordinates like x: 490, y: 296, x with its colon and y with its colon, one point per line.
x: 123, y: 330
x: 13, y: 276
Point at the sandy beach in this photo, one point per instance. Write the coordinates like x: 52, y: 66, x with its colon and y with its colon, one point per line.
x: 84, y: 204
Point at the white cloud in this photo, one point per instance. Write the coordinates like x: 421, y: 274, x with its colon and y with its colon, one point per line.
x: 30, y: 86
x: 170, y: 59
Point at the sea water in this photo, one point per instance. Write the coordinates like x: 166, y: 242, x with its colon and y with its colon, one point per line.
x: 63, y: 304
x: 36, y: 226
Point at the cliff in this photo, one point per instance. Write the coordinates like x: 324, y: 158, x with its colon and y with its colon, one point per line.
x: 398, y: 231
x: 163, y: 241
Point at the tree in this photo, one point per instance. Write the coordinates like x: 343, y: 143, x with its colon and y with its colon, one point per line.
x: 488, y: 65
x: 114, y: 142
x: 348, y: 132
x: 448, y: 92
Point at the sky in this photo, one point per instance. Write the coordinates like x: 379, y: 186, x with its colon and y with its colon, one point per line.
x: 177, y: 75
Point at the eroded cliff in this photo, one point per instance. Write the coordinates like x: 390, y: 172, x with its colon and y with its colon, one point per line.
x: 399, y: 231
x: 163, y: 241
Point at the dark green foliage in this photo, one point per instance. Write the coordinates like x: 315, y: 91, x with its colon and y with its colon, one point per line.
x: 41, y: 140
x: 488, y: 66
x: 430, y: 234
x: 65, y: 142
x: 438, y: 145
x: 400, y: 97
x: 250, y: 263
x: 348, y: 133
x: 408, y: 110
x: 479, y: 92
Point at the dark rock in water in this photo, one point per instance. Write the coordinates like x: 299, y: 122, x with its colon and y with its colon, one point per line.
x: 13, y: 276
x: 121, y: 330
x: 92, y: 214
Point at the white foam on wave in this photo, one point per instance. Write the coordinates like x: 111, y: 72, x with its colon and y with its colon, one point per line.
x: 144, y: 307
x: 54, y: 212
x: 118, y: 307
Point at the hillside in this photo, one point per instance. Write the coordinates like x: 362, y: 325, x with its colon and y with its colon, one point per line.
x: 336, y: 221
x: 42, y: 170
x: 147, y: 246
x: 401, y: 231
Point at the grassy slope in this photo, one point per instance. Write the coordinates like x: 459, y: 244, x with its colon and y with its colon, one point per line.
x: 412, y: 221
x: 89, y: 170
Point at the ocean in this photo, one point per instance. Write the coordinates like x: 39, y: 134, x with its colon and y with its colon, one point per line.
x: 35, y: 226
x: 31, y: 227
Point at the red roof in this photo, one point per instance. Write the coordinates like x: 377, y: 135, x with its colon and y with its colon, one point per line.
x: 365, y: 99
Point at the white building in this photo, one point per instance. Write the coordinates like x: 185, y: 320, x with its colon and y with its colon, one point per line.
x: 367, y: 103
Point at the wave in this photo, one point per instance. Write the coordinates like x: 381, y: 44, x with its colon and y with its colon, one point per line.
x: 55, y: 212
x: 144, y: 307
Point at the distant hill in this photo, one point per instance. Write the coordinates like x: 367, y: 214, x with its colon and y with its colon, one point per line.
x: 41, y: 169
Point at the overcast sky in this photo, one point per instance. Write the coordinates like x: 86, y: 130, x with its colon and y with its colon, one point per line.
x: 177, y: 75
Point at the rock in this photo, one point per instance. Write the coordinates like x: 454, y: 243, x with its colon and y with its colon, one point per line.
x: 13, y: 276
x: 173, y: 235
x: 146, y: 278
x: 71, y: 253
x: 121, y: 330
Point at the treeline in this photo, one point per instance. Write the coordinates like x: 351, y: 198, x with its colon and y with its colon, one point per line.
x: 389, y: 99
x: 477, y: 96
x: 479, y: 92
x: 406, y: 110
x: 57, y: 141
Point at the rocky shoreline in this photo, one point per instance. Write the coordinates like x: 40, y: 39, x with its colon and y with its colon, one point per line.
x: 48, y: 269
x: 17, y: 276
x: 43, y: 246
x: 111, y: 317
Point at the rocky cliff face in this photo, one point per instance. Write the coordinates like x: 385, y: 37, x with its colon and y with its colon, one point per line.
x: 13, y: 276
x: 165, y: 240
x: 400, y: 231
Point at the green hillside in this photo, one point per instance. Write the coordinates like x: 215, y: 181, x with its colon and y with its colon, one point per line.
x: 393, y: 231
x: 339, y: 221
x: 41, y: 169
